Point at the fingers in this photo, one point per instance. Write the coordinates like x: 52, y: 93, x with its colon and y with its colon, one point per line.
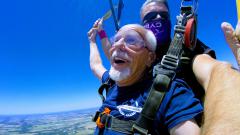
x: 92, y: 34
x: 98, y: 24
x: 237, y: 31
x: 232, y: 38
x: 229, y: 34
x: 95, y: 25
x: 227, y: 29
x: 237, y: 34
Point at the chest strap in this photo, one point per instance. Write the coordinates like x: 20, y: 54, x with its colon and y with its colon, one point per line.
x: 113, y: 123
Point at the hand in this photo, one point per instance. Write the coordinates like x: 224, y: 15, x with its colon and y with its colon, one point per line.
x: 92, y: 35
x: 233, y: 38
x: 99, y: 24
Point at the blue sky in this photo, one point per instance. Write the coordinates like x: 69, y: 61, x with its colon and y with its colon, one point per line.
x: 44, y: 50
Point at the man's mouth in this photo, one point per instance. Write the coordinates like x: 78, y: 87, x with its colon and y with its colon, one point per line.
x: 118, y: 60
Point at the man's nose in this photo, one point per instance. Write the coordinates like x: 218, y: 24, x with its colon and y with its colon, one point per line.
x: 158, y: 16
x: 120, y: 43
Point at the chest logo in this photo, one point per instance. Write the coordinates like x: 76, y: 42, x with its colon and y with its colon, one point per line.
x: 129, y: 110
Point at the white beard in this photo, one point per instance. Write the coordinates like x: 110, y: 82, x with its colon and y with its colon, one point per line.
x: 117, y: 75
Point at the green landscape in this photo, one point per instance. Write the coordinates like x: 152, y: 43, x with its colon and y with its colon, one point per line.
x: 62, y: 123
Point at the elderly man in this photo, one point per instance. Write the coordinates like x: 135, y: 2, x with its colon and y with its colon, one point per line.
x: 155, y: 16
x: 132, y: 55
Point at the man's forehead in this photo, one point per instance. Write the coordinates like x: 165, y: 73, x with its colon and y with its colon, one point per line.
x: 127, y: 31
x: 155, y: 6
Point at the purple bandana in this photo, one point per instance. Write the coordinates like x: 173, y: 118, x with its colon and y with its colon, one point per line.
x: 162, y: 31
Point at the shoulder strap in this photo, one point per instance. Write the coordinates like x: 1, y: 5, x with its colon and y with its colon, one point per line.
x: 105, y: 86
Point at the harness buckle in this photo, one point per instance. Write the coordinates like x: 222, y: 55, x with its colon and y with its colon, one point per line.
x: 103, y: 118
x: 107, y: 121
x: 94, y: 119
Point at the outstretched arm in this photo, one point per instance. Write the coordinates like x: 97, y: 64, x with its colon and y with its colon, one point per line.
x: 221, y: 84
x: 203, y: 64
x: 106, y: 45
x: 95, y: 59
x: 222, y: 101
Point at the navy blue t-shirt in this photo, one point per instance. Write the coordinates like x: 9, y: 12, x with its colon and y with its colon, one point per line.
x: 126, y: 103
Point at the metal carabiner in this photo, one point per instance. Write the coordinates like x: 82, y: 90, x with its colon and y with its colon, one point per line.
x: 189, y: 7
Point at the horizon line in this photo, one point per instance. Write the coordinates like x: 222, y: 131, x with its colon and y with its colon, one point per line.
x: 44, y: 113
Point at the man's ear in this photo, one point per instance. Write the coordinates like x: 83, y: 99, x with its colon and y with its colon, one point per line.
x: 151, y: 58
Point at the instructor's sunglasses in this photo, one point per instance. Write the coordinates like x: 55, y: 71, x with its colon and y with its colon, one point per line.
x: 153, y: 15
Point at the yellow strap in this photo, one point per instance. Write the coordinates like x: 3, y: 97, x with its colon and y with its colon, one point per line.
x: 108, y: 14
x: 238, y: 8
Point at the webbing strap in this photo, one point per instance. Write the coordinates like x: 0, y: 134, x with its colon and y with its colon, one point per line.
x: 121, y: 126
x: 150, y: 108
x: 105, y: 86
x: 114, y: 15
x: 120, y: 7
x: 175, y: 47
x: 101, y: 89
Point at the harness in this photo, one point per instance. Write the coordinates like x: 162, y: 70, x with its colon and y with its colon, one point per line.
x: 164, y: 73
